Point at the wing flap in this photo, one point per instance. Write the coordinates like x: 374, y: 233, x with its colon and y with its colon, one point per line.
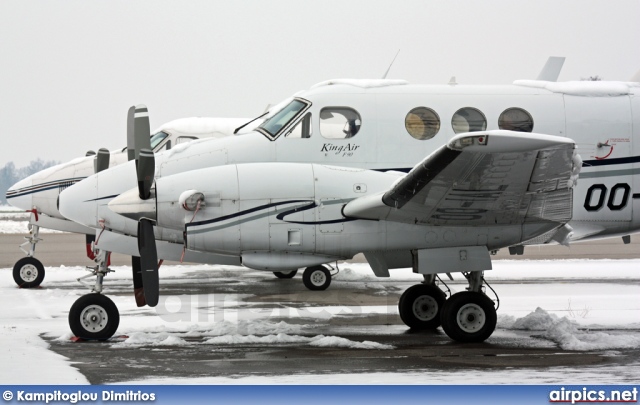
x: 481, y: 179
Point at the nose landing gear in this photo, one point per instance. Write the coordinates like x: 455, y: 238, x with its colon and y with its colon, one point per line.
x: 28, y: 272
x: 94, y: 316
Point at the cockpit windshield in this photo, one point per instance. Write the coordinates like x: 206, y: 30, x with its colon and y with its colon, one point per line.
x: 274, y: 124
x: 157, y: 138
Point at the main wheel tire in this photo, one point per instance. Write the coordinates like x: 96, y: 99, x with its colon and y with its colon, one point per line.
x: 420, y: 306
x: 316, y: 278
x: 285, y: 274
x: 28, y: 272
x: 94, y: 317
x: 469, y: 317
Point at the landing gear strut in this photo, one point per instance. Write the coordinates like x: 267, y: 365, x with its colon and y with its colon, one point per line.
x: 94, y: 316
x: 28, y: 272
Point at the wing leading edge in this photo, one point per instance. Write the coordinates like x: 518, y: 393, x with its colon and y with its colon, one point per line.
x: 482, y: 179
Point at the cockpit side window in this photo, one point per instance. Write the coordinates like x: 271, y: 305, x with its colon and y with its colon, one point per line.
x: 302, y: 129
x: 339, y: 122
x: 272, y: 126
x: 157, y: 138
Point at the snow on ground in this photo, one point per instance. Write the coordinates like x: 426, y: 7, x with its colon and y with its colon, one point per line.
x: 588, y: 305
x: 16, y: 220
x: 20, y: 227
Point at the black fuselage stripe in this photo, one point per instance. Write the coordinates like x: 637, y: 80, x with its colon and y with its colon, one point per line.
x: 614, y: 161
x: 240, y: 213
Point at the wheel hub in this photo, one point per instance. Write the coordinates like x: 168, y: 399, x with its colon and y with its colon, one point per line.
x: 318, y: 278
x: 425, y: 308
x: 94, y: 318
x: 29, y: 273
x: 471, y: 318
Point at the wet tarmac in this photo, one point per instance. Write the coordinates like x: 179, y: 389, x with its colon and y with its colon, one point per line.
x: 357, y: 310
x: 359, y: 314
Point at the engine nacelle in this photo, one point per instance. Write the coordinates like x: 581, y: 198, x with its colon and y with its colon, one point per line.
x: 262, y: 207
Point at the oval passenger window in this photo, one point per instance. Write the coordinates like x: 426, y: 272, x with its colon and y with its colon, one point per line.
x: 468, y: 119
x: 422, y: 123
x: 515, y: 119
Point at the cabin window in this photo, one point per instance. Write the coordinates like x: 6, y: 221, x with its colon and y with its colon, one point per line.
x: 422, y: 123
x: 302, y: 128
x: 468, y: 119
x: 157, y: 138
x: 515, y: 119
x: 273, y: 125
x: 339, y: 122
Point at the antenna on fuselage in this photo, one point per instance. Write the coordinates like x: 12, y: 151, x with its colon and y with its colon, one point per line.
x: 551, y: 69
x: 389, y: 68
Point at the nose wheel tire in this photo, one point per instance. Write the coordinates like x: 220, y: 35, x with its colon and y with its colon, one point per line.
x: 94, y: 317
x: 469, y: 317
x: 316, y: 278
x: 420, y: 306
x: 28, y: 272
x: 285, y: 274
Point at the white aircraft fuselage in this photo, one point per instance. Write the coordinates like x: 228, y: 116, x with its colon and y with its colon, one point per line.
x: 603, y: 118
x: 40, y: 190
x: 428, y: 177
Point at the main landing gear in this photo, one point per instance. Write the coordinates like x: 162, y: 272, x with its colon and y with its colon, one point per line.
x: 468, y: 316
x: 94, y: 316
x: 315, y: 278
x: 28, y: 272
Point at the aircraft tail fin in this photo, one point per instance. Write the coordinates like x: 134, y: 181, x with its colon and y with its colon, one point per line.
x: 636, y: 77
x: 551, y: 69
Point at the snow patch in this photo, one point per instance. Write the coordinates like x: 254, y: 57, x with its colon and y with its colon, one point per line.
x: 316, y: 341
x: 280, y: 338
x: 151, y: 339
x: 581, y: 88
x: 20, y: 227
x: 567, y: 335
x: 363, y: 83
x: 335, y: 341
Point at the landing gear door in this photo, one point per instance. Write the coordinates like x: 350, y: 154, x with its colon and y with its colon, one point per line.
x: 602, y: 127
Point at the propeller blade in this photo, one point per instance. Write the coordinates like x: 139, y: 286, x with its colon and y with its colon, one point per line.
x: 141, y: 131
x: 145, y: 167
x: 148, y: 262
x: 101, y: 161
x: 131, y: 143
x: 138, y: 291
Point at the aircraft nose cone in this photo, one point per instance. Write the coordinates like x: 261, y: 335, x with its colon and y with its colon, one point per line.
x: 20, y: 195
x: 78, y: 202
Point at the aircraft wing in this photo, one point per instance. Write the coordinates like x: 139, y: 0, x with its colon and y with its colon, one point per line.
x: 480, y: 179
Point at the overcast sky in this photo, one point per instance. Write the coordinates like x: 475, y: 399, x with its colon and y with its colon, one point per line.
x: 69, y: 70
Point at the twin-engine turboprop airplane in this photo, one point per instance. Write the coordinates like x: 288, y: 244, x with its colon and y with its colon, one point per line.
x: 39, y: 192
x: 429, y: 177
